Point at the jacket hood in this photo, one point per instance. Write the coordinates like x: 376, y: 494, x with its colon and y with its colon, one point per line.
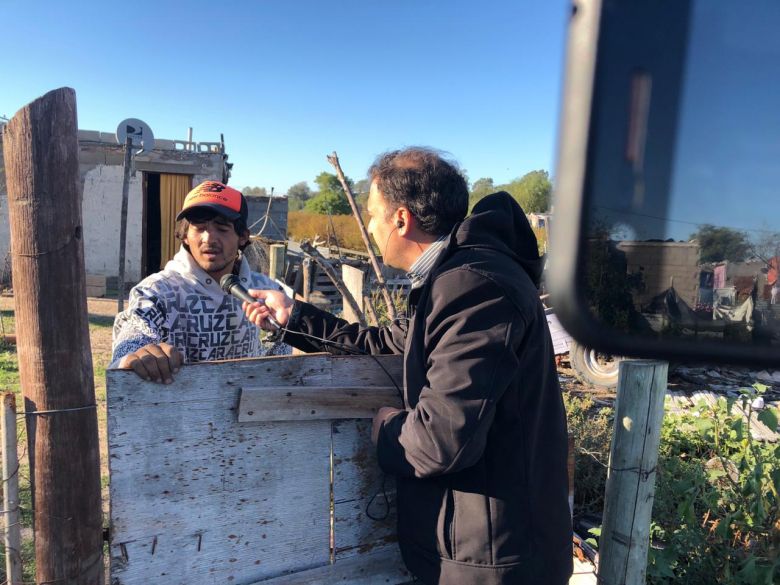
x: 499, y: 223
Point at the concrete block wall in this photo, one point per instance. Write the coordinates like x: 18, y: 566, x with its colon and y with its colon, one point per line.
x: 660, y: 263
x: 276, y: 227
x: 101, y: 213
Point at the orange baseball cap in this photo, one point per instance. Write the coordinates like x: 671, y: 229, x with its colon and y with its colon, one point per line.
x: 226, y: 201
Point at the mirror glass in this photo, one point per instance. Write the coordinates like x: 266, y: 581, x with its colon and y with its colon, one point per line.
x: 683, y: 219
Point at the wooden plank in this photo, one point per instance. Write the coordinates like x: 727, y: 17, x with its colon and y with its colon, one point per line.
x: 363, y: 497
x: 382, y: 567
x: 283, y: 403
x: 380, y: 370
x: 197, y: 498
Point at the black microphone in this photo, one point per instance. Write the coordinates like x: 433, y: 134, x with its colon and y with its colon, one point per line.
x: 231, y: 284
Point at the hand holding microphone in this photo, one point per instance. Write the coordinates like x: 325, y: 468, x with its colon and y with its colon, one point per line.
x: 263, y: 313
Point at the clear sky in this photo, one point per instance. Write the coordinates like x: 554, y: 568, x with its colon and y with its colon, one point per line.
x: 288, y: 82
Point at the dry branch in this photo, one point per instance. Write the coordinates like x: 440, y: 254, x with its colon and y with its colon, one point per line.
x: 312, y: 252
x: 333, y: 159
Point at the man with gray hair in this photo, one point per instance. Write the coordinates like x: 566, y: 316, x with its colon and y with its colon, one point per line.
x: 480, y: 448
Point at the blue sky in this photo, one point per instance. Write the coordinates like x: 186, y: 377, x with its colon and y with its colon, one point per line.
x: 289, y: 82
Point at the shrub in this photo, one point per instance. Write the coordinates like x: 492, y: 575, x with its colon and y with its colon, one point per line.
x: 591, y: 426
x: 715, y: 515
x: 303, y: 225
x: 716, y: 507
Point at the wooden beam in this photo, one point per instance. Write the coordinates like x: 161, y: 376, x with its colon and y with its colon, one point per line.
x: 628, y: 501
x: 314, y: 402
x: 55, y: 360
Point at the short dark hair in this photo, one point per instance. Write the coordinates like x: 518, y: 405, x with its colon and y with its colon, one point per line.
x: 421, y: 179
x: 203, y: 215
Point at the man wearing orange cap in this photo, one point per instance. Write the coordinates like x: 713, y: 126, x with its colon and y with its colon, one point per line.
x: 180, y: 314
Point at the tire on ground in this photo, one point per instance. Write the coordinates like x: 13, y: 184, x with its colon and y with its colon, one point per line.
x: 592, y: 367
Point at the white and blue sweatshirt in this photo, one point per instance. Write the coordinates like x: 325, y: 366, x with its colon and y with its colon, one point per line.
x: 183, y: 306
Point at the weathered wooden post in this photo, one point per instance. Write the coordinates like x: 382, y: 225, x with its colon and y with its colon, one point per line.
x: 307, y: 266
x: 276, y: 258
x: 354, y: 279
x: 55, y: 361
x: 628, y: 502
x: 13, y: 533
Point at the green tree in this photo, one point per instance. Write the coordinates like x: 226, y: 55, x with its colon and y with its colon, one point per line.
x: 361, y: 187
x: 765, y: 245
x: 532, y: 191
x: 255, y: 191
x: 328, y: 202
x: 479, y: 189
x: 298, y: 195
x: 721, y: 243
x: 331, y: 197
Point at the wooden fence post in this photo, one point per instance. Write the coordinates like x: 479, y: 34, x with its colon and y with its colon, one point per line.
x: 307, y: 266
x: 276, y: 257
x: 55, y: 360
x: 354, y: 279
x: 13, y: 532
x: 628, y: 501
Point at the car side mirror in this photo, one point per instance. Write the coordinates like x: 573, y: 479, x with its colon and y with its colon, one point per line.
x: 665, y: 240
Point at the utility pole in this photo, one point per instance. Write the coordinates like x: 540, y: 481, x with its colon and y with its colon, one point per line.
x: 131, y: 132
x: 128, y: 168
x: 55, y: 358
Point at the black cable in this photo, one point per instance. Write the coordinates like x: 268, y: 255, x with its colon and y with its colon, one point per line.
x: 355, y: 351
x: 383, y: 491
x: 349, y: 350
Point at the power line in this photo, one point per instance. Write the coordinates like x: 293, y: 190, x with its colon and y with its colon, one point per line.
x: 669, y: 219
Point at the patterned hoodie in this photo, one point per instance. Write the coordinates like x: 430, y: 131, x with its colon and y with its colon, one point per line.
x: 183, y: 306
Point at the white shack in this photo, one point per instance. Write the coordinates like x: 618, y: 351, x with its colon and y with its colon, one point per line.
x: 162, y: 179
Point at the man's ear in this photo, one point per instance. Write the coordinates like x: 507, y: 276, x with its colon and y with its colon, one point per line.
x: 243, y: 239
x: 403, y: 220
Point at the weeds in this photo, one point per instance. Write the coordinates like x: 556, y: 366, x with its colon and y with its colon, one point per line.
x: 715, y: 514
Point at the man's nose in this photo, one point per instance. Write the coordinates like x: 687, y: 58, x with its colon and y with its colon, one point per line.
x: 207, y: 234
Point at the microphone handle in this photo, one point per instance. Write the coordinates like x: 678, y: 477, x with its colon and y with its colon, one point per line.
x: 241, y: 294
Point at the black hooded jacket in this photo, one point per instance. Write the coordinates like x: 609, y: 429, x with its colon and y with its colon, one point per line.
x: 479, y: 452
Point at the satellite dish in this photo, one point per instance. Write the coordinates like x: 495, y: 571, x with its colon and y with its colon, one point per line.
x: 140, y: 134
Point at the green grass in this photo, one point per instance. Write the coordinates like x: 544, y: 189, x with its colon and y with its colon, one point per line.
x: 9, y: 370
x: 100, y: 321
